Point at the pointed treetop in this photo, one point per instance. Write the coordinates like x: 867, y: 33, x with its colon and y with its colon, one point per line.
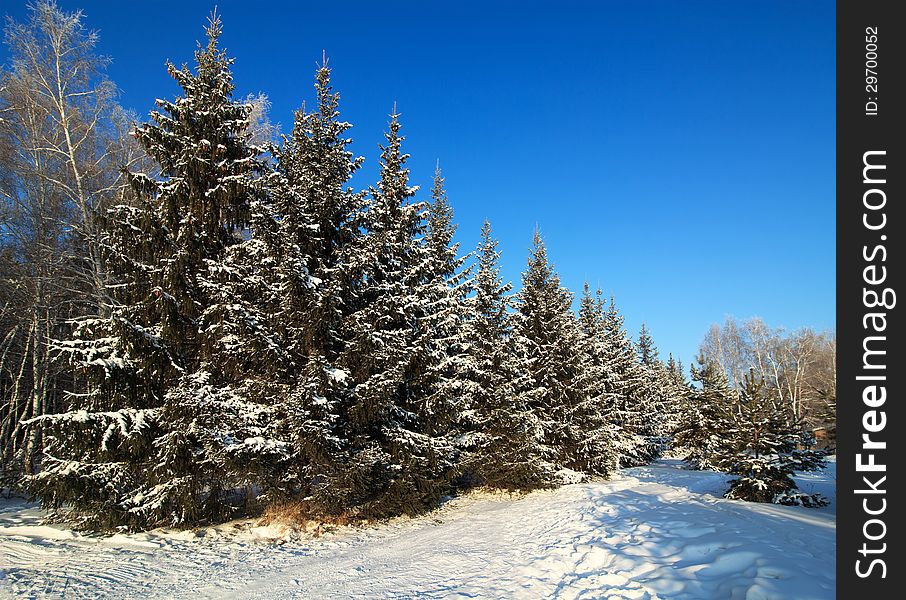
x: 540, y: 273
x: 438, y: 193
x: 648, y: 354
x: 487, y: 248
x: 213, y: 64
x: 538, y: 254
x: 441, y: 227
x: 394, y: 183
x: 322, y: 75
x: 538, y: 241
x: 392, y: 134
x: 588, y: 308
x: 213, y: 30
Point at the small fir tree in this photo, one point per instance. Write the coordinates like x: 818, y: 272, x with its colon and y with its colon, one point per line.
x: 761, y: 448
x: 705, y: 416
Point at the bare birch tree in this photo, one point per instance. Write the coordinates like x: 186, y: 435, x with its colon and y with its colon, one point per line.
x: 62, y: 151
x: 798, y: 367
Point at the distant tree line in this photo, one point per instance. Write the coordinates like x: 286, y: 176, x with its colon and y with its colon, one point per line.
x: 198, y: 319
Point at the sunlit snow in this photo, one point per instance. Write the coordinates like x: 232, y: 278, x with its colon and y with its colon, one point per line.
x: 658, y: 531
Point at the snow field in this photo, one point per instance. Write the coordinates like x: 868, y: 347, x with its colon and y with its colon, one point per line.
x: 654, y: 532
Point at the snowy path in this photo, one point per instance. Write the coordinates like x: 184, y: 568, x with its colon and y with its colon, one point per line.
x: 653, y: 532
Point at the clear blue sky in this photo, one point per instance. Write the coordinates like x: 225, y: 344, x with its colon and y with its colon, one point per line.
x: 678, y: 154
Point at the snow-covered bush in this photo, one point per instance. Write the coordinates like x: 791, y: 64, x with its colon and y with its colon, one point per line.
x: 797, y: 498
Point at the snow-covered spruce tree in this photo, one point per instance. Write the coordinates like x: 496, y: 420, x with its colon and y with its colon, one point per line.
x: 705, y: 415
x: 665, y: 392
x: 648, y: 353
x: 678, y: 391
x: 675, y: 370
x: 443, y: 287
x: 594, y: 416
x: 675, y: 392
x: 164, y: 433
x: 502, y: 437
x: 549, y: 369
x: 626, y: 386
x: 656, y: 395
x: 315, y: 272
x: 761, y: 448
x: 396, y: 464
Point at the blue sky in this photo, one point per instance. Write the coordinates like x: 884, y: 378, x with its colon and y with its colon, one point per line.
x: 678, y: 154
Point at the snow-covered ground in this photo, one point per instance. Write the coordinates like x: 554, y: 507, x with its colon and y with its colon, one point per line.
x: 652, y: 532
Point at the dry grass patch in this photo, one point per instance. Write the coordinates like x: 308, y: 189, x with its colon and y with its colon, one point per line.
x: 298, y: 516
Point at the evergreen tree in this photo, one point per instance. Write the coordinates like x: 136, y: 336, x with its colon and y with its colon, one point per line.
x: 314, y: 245
x: 594, y: 415
x: 656, y: 397
x: 444, y: 261
x: 675, y: 371
x: 626, y: 386
x: 648, y: 354
x: 761, y: 448
x: 678, y: 391
x: 442, y: 289
x: 502, y: 439
x: 397, y: 464
x: 164, y: 434
x: 546, y: 337
x: 705, y: 415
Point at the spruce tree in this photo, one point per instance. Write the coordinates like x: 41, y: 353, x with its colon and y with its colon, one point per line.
x: 675, y: 372
x: 595, y: 416
x: 648, y: 354
x: 397, y: 462
x: 442, y: 289
x: 627, y: 388
x: 761, y: 448
x: 678, y: 390
x: 163, y: 435
x: 502, y: 439
x: 655, y: 398
x: 546, y: 337
x: 705, y: 416
x: 315, y: 271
